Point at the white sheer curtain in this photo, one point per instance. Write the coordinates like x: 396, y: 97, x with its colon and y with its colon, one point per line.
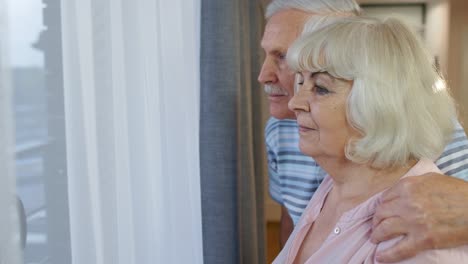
x: 9, y: 238
x: 131, y: 73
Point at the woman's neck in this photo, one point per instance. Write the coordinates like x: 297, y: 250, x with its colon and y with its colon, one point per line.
x: 355, y: 183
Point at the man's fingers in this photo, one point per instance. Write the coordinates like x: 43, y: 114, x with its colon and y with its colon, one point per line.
x: 402, y: 250
x: 392, y: 193
x: 387, y: 229
x: 401, y: 189
x: 385, y: 210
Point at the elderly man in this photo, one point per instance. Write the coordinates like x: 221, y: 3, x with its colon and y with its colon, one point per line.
x: 432, y: 214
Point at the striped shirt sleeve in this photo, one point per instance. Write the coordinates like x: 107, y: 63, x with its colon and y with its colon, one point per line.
x: 454, y: 159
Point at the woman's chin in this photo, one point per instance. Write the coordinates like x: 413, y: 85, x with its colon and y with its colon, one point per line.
x: 306, y: 149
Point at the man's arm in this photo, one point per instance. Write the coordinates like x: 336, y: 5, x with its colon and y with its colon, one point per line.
x: 430, y: 211
x: 286, y: 226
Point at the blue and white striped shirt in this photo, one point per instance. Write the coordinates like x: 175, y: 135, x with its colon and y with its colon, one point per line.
x: 295, y: 177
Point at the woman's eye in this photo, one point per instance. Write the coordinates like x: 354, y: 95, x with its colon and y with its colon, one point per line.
x: 321, y: 90
x: 299, y: 79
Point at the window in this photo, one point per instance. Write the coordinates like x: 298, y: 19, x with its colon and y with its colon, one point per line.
x: 39, y: 124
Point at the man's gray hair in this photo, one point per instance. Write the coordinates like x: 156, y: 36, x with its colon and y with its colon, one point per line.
x: 322, y: 7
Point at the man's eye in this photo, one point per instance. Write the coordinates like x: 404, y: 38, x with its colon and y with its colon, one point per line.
x: 281, y: 56
x: 321, y: 90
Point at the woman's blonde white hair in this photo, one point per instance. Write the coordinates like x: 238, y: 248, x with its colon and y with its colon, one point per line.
x: 398, y: 100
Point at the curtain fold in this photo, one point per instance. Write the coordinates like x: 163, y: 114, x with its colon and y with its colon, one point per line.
x: 232, y: 177
x: 131, y: 82
x: 9, y: 228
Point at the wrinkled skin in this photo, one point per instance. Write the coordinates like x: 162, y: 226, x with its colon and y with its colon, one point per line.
x: 430, y: 211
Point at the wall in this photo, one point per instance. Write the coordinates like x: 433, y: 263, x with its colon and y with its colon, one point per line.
x: 437, y: 31
x: 458, y: 56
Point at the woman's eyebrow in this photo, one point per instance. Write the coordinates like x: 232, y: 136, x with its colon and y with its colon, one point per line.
x: 314, y: 74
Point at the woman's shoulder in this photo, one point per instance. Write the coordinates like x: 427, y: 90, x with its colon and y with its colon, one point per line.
x: 423, y: 166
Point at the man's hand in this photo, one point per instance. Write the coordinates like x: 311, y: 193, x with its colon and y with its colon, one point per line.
x: 431, y: 212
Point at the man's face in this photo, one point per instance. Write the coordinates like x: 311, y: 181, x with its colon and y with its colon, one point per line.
x: 280, y: 32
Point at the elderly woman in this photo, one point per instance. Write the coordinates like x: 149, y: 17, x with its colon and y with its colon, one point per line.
x: 371, y: 110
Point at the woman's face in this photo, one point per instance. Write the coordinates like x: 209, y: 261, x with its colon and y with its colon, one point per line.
x: 320, y: 108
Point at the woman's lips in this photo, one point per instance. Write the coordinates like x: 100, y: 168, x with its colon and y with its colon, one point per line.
x: 305, y: 128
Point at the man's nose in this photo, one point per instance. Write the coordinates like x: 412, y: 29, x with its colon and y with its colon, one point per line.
x: 268, y: 73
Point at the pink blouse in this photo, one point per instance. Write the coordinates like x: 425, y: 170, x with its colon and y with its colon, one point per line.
x: 349, y: 242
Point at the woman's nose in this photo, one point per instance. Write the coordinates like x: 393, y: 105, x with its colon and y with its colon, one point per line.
x: 298, y: 103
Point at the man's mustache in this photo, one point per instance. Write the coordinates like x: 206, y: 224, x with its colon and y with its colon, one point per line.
x: 274, y: 90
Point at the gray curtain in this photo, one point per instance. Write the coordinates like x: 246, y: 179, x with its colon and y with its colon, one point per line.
x: 231, y: 145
